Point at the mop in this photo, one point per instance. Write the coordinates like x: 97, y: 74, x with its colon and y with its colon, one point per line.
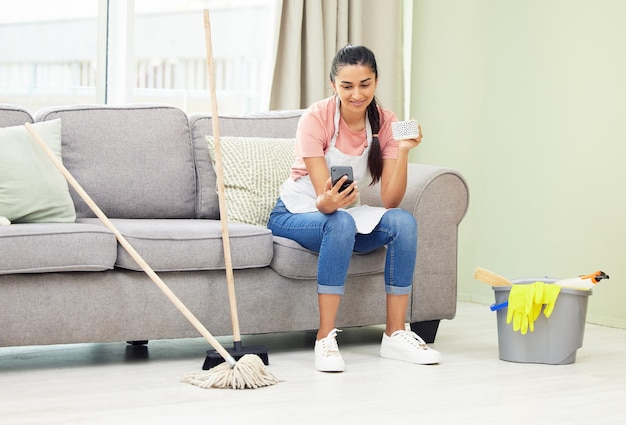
x: 213, y: 357
x: 248, y: 372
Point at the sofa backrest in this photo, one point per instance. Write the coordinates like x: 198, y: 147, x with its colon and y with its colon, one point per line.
x: 11, y: 115
x: 147, y: 161
x: 134, y: 161
x: 273, y: 124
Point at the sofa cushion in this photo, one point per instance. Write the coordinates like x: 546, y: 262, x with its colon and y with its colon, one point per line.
x: 134, y: 161
x: 254, y: 168
x: 274, y: 124
x: 294, y: 261
x: 183, y: 245
x: 56, y: 247
x: 31, y: 187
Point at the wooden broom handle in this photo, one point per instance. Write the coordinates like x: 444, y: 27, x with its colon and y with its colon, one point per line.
x: 219, y: 172
x: 128, y: 247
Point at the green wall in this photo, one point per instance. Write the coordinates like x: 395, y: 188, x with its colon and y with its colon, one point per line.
x: 527, y: 98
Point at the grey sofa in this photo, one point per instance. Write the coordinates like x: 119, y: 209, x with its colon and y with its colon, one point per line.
x: 149, y: 170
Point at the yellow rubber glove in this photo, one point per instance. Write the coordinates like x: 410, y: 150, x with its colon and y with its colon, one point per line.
x: 520, y: 308
x: 550, y: 294
x: 526, y: 302
x: 535, y: 310
x: 545, y: 294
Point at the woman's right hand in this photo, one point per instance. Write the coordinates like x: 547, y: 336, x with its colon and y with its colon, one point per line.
x: 332, y: 199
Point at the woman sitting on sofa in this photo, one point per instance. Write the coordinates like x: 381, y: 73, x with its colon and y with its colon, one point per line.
x: 351, y: 129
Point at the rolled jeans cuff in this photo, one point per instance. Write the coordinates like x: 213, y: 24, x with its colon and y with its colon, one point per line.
x: 330, y: 289
x: 398, y: 290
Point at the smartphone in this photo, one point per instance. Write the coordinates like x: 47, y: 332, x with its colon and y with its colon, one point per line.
x: 337, y: 172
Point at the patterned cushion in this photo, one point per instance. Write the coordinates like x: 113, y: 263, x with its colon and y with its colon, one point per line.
x: 254, y: 169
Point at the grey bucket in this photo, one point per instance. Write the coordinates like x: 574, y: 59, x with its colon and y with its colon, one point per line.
x: 555, y: 339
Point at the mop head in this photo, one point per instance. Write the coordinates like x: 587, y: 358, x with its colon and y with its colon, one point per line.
x: 214, y: 358
x: 248, y: 372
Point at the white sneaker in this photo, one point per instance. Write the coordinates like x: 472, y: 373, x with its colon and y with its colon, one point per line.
x: 409, y: 347
x: 327, y: 356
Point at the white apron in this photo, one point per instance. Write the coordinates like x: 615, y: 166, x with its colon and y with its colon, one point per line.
x: 299, y: 195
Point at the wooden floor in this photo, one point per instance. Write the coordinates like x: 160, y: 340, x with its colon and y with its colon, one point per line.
x: 116, y: 383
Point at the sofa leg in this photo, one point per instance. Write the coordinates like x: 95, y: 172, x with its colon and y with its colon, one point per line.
x: 138, y: 343
x: 427, y: 329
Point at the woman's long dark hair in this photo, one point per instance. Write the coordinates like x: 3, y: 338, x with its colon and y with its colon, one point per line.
x: 361, y: 55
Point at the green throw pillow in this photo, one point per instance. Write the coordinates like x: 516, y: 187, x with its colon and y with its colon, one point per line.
x: 32, y: 190
x: 254, y: 170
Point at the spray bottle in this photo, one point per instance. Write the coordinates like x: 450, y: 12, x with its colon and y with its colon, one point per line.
x: 584, y: 283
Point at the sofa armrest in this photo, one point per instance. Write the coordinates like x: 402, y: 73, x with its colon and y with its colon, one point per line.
x: 438, y: 198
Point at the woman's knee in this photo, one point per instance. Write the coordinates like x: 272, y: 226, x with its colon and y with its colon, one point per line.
x: 401, y: 222
x: 340, y: 222
x: 339, y: 233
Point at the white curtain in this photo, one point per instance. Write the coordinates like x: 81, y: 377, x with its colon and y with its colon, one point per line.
x: 310, y: 33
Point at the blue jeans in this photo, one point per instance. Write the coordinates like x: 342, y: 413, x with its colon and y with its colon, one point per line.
x: 334, y: 238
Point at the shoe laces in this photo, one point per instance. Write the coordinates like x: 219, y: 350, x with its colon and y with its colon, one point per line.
x: 413, y: 339
x: 329, y: 343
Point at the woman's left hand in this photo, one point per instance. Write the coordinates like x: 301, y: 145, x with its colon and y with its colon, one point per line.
x: 409, y: 144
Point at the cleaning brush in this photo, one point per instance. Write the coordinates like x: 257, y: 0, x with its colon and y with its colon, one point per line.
x: 491, y: 278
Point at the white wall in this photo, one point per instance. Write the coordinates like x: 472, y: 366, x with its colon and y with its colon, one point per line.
x: 528, y: 100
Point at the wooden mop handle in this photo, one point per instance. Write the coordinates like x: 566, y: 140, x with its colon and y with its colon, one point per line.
x: 128, y: 247
x: 219, y: 172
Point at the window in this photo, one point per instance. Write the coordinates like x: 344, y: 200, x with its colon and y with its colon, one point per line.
x: 48, y: 55
x: 170, y: 54
x: 136, y: 51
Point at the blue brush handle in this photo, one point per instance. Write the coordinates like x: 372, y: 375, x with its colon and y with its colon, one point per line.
x: 495, y: 307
